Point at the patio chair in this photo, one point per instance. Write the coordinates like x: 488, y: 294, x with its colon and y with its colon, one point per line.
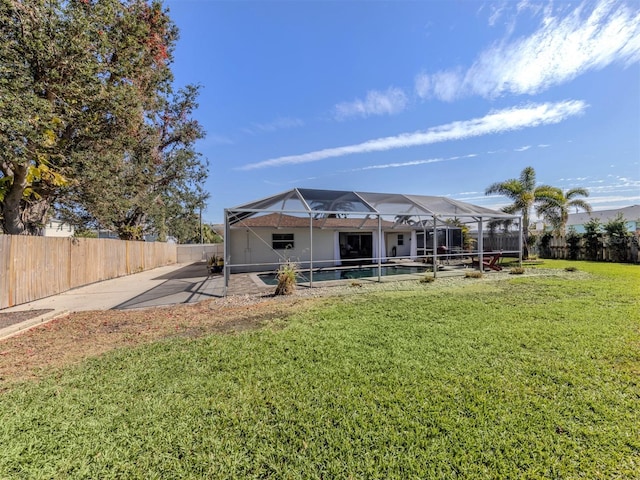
x: 489, y: 260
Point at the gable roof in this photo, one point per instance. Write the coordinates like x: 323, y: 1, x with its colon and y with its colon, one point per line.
x: 331, y: 203
x: 631, y: 214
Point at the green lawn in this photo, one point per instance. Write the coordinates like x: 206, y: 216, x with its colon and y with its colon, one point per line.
x: 532, y: 376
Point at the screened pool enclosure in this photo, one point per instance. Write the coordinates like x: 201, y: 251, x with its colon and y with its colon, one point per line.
x: 320, y: 229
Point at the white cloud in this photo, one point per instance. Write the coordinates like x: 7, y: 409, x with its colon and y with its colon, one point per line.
x: 493, y: 123
x: 560, y: 50
x: 411, y: 163
x: 623, y: 200
x: 496, y: 13
x: 279, y: 123
x: 218, y: 140
x: 443, y: 85
x: 422, y: 84
x: 522, y: 149
x: 390, y: 102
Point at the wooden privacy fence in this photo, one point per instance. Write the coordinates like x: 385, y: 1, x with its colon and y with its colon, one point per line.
x: 499, y: 241
x: 37, y: 267
x: 606, y: 249
x: 199, y: 252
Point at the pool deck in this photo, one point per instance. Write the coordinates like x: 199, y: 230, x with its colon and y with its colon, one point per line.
x: 250, y: 283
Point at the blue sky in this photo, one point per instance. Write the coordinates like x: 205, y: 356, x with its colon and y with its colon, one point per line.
x: 430, y: 98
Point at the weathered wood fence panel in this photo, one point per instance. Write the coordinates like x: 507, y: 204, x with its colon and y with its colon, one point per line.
x: 5, y: 259
x: 608, y: 250
x: 500, y: 241
x: 37, y: 267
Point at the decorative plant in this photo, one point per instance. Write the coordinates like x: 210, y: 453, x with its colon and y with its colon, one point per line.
x: 545, y: 244
x: 592, y: 231
x: 286, y: 276
x: 574, y: 241
x: 618, y: 234
x: 473, y: 274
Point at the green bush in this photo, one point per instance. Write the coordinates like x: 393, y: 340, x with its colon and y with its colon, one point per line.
x: 545, y: 242
x: 593, y: 243
x: 574, y: 241
x: 618, y: 234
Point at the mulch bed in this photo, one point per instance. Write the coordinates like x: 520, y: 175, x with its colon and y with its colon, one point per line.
x: 11, y: 318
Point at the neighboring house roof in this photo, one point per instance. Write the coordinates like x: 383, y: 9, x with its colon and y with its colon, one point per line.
x: 218, y: 228
x: 631, y: 214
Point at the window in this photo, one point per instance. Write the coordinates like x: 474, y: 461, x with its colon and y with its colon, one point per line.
x: 400, y: 239
x: 281, y: 241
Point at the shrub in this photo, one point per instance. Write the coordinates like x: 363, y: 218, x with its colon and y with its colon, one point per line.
x: 85, y: 233
x: 516, y: 271
x: 286, y: 276
x: 473, y: 274
x: 617, y: 232
x: 427, y: 279
x: 545, y: 245
x: 592, y: 230
x: 574, y: 240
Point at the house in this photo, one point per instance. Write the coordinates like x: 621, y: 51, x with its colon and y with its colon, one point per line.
x: 631, y: 215
x: 57, y: 228
x: 328, y: 228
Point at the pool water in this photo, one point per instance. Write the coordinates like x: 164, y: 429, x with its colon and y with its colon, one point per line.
x: 346, y: 273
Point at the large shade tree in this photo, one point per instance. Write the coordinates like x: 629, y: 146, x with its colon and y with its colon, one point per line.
x: 156, y: 186
x: 524, y: 193
x: 555, y: 207
x: 88, y: 121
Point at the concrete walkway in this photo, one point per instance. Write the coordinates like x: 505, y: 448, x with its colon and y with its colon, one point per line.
x: 169, y: 285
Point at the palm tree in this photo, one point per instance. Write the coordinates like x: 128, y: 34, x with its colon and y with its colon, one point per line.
x: 555, y: 208
x: 404, y: 220
x: 342, y: 206
x: 524, y: 194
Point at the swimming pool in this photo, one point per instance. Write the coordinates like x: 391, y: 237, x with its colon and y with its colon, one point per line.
x: 346, y: 273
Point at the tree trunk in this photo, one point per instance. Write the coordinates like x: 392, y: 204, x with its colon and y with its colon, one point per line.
x: 34, y: 215
x: 132, y: 228
x: 12, y: 223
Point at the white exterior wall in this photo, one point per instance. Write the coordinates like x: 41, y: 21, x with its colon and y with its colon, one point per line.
x: 253, y: 246
x: 199, y: 252
x: 392, y: 241
x: 55, y: 228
